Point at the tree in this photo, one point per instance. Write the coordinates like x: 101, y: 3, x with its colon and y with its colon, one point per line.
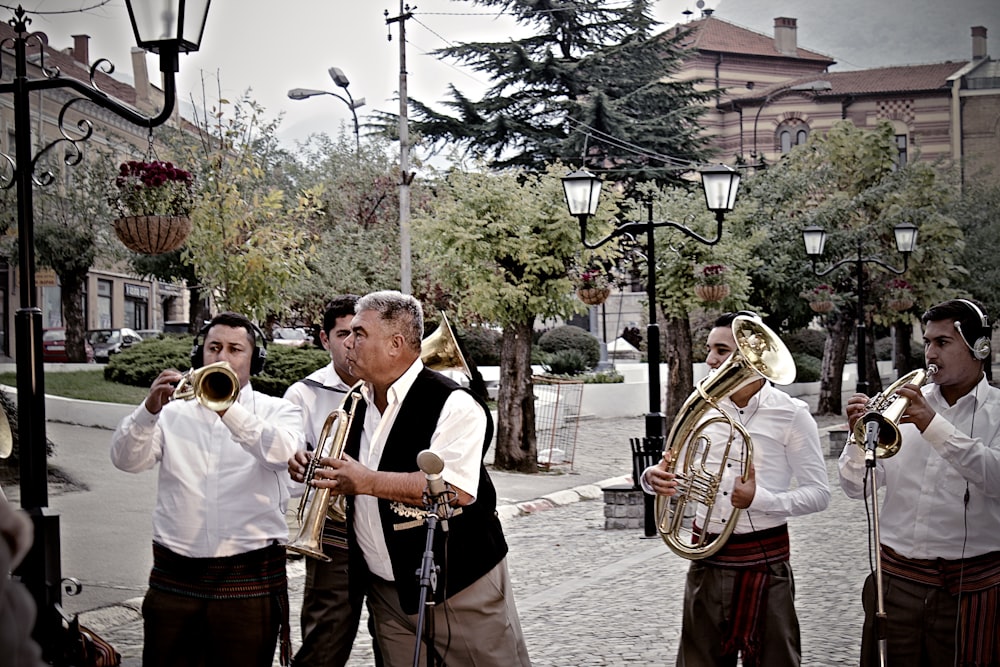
x: 976, y: 211
x: 590, y: 81
x: 502, y: 245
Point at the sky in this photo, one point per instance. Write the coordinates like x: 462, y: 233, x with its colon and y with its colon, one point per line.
x: 270, y: 47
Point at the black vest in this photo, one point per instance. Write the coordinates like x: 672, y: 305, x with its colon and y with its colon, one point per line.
x: 474, y: 540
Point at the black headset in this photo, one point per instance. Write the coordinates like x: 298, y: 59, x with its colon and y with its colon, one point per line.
x: 259, y: 350
x: 981, y: 348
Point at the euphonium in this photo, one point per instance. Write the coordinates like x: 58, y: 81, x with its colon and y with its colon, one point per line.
x: 316, y: 503
x: 760, y: 353
x: 215, y: 386
x: 887, y: 409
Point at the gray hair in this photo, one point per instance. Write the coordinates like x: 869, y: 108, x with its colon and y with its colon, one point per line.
x: 401, y: 310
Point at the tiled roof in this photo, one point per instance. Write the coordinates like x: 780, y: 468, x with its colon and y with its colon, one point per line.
x: 716, y: 35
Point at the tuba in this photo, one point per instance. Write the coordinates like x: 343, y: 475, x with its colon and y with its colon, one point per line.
x: 759, y: 354
x: 887, y: 409
x: 317, y: 504
x: 440, y: 351
x: 215, y: 386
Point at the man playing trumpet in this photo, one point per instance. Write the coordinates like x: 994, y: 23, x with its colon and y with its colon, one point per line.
x: 940, y: 520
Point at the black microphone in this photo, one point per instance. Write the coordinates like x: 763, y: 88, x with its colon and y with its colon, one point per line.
x: 873, y: 428
x: 431, y: 465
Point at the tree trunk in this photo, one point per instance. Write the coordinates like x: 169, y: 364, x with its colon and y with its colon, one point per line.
x: 901, y: 333
x: 832, y: 375
x: 874, y: 377
x: 198, y: 311
x: 74, y: 322
x: 680, y: 374
x: 516, y: 446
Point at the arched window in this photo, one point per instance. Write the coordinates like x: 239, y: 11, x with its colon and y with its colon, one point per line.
x: 791, y: 133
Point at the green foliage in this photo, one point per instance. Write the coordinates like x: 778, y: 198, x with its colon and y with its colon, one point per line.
x: 806, y: 341
x: 569, y: 337
x: 139, y: 365
x: 604, y: 377
x: 287, y: 365
x: 807, y: 367
x: 565, y: 362
x: 883, y: 349
x: 976, y: 211
x: 483, y: 345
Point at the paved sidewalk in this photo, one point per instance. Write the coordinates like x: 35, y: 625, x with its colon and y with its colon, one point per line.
x: 590, y: 596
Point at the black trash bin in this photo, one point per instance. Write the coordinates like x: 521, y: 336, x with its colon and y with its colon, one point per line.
x: 646, y: 452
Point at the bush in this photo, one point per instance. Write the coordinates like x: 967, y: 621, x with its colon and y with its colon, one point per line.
x: 568, y: 337
x: 883, y: 349
x: 807, y: 367
x: 140, y: 364
x: 604, y: 377
x: 806, y: 341
x: 482, y: 345
x: 565, y: 362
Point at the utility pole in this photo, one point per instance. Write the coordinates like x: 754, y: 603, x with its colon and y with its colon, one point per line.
x: 405, y: 177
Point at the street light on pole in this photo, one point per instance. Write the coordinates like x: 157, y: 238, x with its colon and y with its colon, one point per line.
x: 169, y: 28
x: 583, y: 191
x: 341, y: 80
x: 814, y: 238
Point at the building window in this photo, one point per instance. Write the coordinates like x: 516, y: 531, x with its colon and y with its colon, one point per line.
x: 901, y: 145
x: 791, y: 134
x: 136, y: 306
x: 103, y: 304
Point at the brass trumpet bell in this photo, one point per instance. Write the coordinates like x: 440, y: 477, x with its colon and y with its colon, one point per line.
x: 215, y: 386
x: 440, y: 351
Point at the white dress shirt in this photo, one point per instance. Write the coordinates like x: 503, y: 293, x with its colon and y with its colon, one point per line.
x: 222, y: 486
x: 924, y: 514
x: 458, y: 440
x: 317, y: 402
x: 785, y: 447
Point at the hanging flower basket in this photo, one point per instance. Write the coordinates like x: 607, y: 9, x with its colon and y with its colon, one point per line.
x: 153, y: 234
x: 154, y: 201
x: 821, y: 306
x: 711, y: 293
x: 900, y: 305
x: 593, y: 296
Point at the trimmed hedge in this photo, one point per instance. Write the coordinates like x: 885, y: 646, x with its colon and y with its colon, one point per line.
x: 807, y: 367
x: 569, y: 337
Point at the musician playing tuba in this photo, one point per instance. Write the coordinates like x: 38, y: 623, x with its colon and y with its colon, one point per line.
x: 940, y: 520
x: 739, y: 601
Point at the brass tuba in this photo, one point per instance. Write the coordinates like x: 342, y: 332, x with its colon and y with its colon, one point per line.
x: 760, y: 353
x: 440, y: 351
x: 887, y: 409
x: 316, y: 504
x: 215, y: 386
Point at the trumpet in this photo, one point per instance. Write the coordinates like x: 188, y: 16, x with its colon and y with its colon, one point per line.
x: 887, y: 409
x: 215, y: 386
x: 317, y: 504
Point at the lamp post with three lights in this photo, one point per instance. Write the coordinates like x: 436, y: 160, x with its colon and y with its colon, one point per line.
x: 169, y: 28
x: 583, y: 191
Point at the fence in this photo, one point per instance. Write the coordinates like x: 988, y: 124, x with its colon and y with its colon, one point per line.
x: 557, y: 419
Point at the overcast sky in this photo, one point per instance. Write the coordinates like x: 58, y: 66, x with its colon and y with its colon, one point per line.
x: 271, y: 47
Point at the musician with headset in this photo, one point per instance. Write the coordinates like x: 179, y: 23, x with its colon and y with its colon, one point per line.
x: 940, y: 519
x: 217, y: 591
x: 740, y: 602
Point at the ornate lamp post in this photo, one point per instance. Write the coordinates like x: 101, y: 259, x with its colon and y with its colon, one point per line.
x: 583, y: 191
x: 814, y: 238
x: 341, y: 80
x: 171, y: 28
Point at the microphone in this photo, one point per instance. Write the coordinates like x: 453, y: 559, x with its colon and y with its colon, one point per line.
x: 873, y: 428
x: 431, y: 465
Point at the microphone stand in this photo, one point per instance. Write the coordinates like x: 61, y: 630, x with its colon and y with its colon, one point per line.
x: 871, y: 441
x: 438, y: 510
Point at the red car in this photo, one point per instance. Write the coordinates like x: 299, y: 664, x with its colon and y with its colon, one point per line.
x: 54, y: 347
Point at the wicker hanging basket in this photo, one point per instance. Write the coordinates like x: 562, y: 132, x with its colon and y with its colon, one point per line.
x: 593, y: 296
x: 821, y: 306
x: 711, y: 293
x: 900, y: 304
x: 153, y: 234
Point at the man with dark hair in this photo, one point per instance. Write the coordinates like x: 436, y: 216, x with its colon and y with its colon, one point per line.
x: 408, y: 408
x: 330, y: 614
x: 741, y: 600
x: 940, y: 520
x: 217, y: 592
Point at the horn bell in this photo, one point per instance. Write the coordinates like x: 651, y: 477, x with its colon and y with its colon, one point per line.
x: 440, y: 351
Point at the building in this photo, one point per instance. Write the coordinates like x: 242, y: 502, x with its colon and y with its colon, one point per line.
x: 113, y: 296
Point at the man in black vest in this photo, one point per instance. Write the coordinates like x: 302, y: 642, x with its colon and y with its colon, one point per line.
x: 409, y: 408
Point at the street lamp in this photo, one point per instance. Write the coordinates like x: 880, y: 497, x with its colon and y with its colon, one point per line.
x: 814, y: 238
x: 583, y: 191
x: 169, y: 29
x: 341, y: 80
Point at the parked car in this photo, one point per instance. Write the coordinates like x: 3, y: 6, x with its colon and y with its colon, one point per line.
x: 111, y: 341
x: 148, y: 334
x: 54, y: 347
x: 291, y: 337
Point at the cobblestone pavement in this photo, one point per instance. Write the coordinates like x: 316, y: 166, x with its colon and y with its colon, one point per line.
x: 590, y: 596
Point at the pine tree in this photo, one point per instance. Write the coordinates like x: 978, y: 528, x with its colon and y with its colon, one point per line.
x: 592, y: 82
